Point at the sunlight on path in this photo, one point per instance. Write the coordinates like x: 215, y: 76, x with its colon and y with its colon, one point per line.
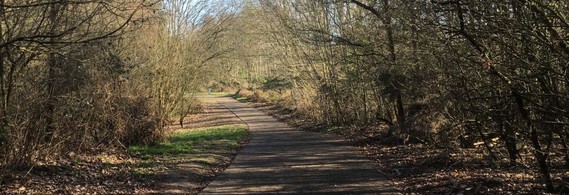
x: 280, y: 159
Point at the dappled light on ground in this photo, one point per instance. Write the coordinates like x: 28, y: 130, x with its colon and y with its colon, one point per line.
x: 281, y: 159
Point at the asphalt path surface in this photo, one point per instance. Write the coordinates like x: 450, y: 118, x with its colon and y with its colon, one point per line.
x: 282, y: 160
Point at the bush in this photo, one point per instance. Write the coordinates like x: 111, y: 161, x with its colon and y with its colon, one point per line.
x: 75, y: 125
x: 276, y: 84
x: 244, y: 93
x: 141, y: 126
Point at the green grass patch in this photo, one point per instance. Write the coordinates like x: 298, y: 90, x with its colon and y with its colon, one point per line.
x: 212, y: 145
x: 190, y: 140
x: 243, y: 99
x: 221, y: 94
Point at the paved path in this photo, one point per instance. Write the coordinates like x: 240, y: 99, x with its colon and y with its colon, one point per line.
x: 280, y: 159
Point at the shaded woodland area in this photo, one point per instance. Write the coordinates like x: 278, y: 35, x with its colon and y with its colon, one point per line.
x: 450, y: 74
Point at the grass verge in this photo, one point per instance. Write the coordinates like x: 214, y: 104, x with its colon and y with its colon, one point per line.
x: 220, y: 94
x: 188, y: 140
x: 243, y: 99
x: 207, y: 150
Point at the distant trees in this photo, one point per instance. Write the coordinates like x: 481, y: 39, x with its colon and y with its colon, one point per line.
x: 250, y: 58
x: 177, y: 51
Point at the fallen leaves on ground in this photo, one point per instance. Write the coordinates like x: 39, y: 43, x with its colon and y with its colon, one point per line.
x: 94, y: 172
x: 118, y: 172
x: 418, y: 168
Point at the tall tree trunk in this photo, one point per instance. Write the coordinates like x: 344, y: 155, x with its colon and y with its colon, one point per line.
x: 3, y: 90
x: 540, y: 155
x: 565, y: 149
x: 509, y: 137
x: 401, y: 120
x: 52, y: 63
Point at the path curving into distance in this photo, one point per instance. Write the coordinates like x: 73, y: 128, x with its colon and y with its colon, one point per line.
x: 280, y: 159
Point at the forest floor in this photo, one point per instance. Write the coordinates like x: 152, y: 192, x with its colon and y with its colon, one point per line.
x: 423, y: 169
x: 185, y: 163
